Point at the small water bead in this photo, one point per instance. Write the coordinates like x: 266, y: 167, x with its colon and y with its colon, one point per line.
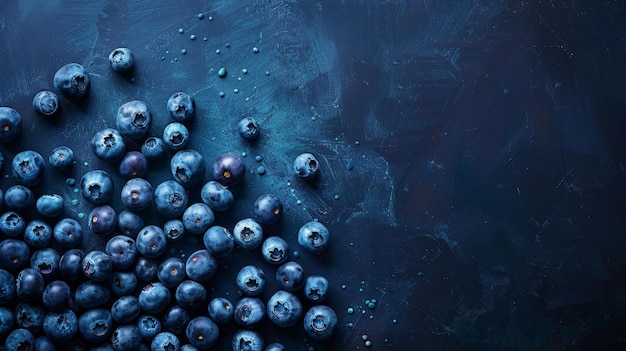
x: 181, y: 31
x: 192, y: 37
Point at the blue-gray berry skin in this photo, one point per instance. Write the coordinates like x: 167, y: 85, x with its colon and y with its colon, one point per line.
x: 320, y: 322
x: 108, y: 144
x: 187, y: 167
x: 46, y: 103
x: 216, y: 196
x: 306, y: 166
x: 72, y: 81
x: 133, y: 119
x: 181, y: 107
x: 10, y: 125
x: 248, y: 129
x: 284, y: 309
x: 314, y: 237
x: 268, y: 209
x: 122, y: 60
x: 28, y: 167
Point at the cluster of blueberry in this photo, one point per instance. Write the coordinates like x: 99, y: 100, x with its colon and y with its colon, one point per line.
x: 128, y: 295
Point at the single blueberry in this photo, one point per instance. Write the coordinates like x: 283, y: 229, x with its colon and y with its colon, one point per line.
x: 46, y: 261
x: 190, y: 294
x: 7, y: 287
x: 134, y: 164
x: 187, y: 167
x: 19, y: 339
x: 30, y: 316
x: 72, y: 81
x: 154, y: 297
x: 268, y: 209
x: 220, y: 310
x: 97, y: 266
x: 229, y: 169
x: 61, y: 326
x: 50, y: 205
x: 200, y: 266
x: 56, y: 295
x: 28, y: 167
x: 108, y: 144
x: 102, y: 220
x: 46, y: 103
x: 7, y: 321
x: 133, y: 119
x: 249, y: 312
x: 248, y: 128
x: 247, y: 340
x: 197, y: 218
x: 314, y: 236
x: 122, y: 283
x: 218, y: 241
x: 122, y: 60
x: 165, y: 341
x: 175, y: 136
x: 170, y: 199
x: 137, y: 194
x: 125, y: 309
x: 95, y: 325
x: 68, y: 232
x: 12, y: 224
x: 148, y: 326
x: 153, y: 148
x: 97, y: 186
x: 248, y: 234
x: 44, y: 343
x: 306, y: 166
x: 174, y: 229
x: 129, y: 223
x: 122, y: 250
x: 275, y: 250
x: 290, y: 276
x: 38, y: 234
x: 216, y: 196
x: 62, y: 158
x: 202, y: 332
x: 145, y: 269
x: 71, y: 265
x: 151, y: 241
x: 316, y: 288
x: 92, y: 294
x: 320, y: 322
x: 171, y: 272
x: 284, y: 309
x: 275, y: 347
x: 29, y: 285
x: 14, y: 255
x: 19, y: 198
x: 10, y: 125
x: 126, y: 338
x: 251, y: 280
x: 181, y: 107
x: 175, y: 319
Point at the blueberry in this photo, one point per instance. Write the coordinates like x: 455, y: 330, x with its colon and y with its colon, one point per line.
x: 187, y: 167
x: 314, y: 237
x: 174, y: 229
x: 46, y: 261
x: 229, y: 169
x: 151, y: 241
x: 68, y: 232
x: 60, y: 326
x: 268, y: 209
x: 38, y: 234
x: 154, y: 297
x: 129, y: 223
x: 14, y: 255
x: 95, y: 325
x: 275, y: 347
x: 108, y: 144
x: 148, y: 326
x: 28, y: 167
x: 190, y: 294
x: 216, y: 196
x: 175, y: 319
x: 249, y: 312
x: 56, y: 295
x: 153, y: 148
x: 29, y: 285
x: 170, y: 199
x: 200, y: 266
x: 248, y: 234
x: 137, y: 194
x: 7, y: 321
x: 133, y: 119
x: 275, y: 250
x: 197, y: 218
x: 122, y: 250
x: 19, y: 339
x: 248, y: 128
x: 171, y: 272
x: 290, y: 276
x: 46, y: 103
x: 189, y: 347
x: 12, y: 224
x: 175, y: 136
x: 145, y: 269
x: 10, y: 125
x: 251, y: 280
x: 202, y: 332
x: 122, y: 60
x: 72, y: 81
x: 181, y: 107
x: 97, y: 266
x: 50, y: 205
x: 92, y: 294
x: 306, y: 166
x: 7, y: 287
x: 320, y: 322
x: 102, y: 220
x: 218, y: 241
x: 19, y: 198
x: 316, y: 288
x: 62, y: 158
x: 97, y: 187
x: 122, y: 283
x: 44, y: 343
x: 220, y: 310
x: 284, y: 309
x: 133, y: 165
x: 125, y: 309
x: 71, y: 264
x: 247, y: 340
x: 30, y: 316
x: 165, y: 341
x: 126, y: 338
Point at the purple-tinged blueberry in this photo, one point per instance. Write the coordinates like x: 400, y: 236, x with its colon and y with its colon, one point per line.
x: 221, y: 310
x: 268, y: 209
x: 68, y: 232
x: 129, y: 223
x: 137, y: 194
x: 202, y: 332
x: 290, y: 276
x: 102, y: 220
x: 151, y: 242
x: 29, y: 285
x: 154, y: 298
x: 92, y: 294
x: 200, y: 266
x: 56, y: 295
x: 19, y: 198
x: 229, y: 169
x: 14, y: 255
x: 171, y: 272
x: 134, y: 164
x: 197, y: 218
x: 10, y: 125
x: 122, y: 250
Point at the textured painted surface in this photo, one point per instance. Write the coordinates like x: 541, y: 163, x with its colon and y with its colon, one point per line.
x: 476, y: 148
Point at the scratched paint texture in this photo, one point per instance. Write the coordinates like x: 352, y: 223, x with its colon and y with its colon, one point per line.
x: 477, y: 148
